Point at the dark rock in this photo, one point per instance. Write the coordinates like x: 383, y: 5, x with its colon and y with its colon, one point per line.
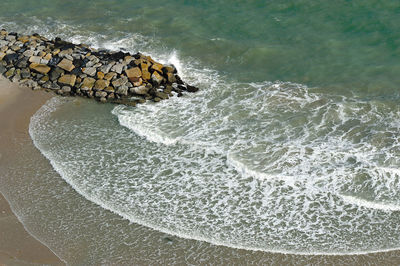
x: 191, y: 88
x: 10, y: 58
x: 3, y: 69
x: 76, y: 71
x: 54, y: 61
x: 178, y: 80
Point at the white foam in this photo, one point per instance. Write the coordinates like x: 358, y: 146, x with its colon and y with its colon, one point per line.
x: 384, y: 206
x: 259, y: 166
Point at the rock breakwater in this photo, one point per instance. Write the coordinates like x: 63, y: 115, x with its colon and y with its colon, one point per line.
x: 78, y: 70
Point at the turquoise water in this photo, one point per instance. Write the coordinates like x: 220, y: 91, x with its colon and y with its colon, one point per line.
x: 291, y: 145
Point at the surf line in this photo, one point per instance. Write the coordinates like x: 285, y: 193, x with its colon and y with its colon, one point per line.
x: 70, y: 69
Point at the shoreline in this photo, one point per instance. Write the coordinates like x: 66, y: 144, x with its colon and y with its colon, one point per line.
x: 17, y: 245
x: 17, y: 105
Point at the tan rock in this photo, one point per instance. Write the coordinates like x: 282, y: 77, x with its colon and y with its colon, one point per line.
x: 100, y: 75
x: 35, y: 59
x: 2, y: 55
x: 171, y: 77
x: 109, y: 89
x: 23, y: 39
x: 88, y: 83
x: 157, y: 67
x: 145, y: 71
x: 133, y: 72
x: 67, y: 80
x: 56, y: 51
x: 66, y: 65
x: 44, y: 79
x: 101, y: 84
x: 40, y: 68
x: 138, y: 83
x: 48, y: 57
x: 157, y: 78
x: 148, y: 58
x: 110, y: 76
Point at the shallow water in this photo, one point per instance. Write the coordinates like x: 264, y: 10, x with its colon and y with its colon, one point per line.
x: 307, y: 164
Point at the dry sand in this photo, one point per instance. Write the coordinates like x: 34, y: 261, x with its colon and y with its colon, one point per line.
x: 17, y: 246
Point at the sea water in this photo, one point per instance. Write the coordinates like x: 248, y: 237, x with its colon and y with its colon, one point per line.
x: 290, y: 146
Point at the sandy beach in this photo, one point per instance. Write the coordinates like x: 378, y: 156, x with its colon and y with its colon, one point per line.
x: 17, y: 246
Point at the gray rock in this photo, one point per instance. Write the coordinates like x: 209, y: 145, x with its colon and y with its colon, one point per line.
x: 91, y: 71
x: 123, y: 90
x: 66, y: 89
x: 28, y: 53
x: 65, y: 52
x: 117, y: 68
x: 120, y: 82
x: 106, y: 68
x: 3, y: 69
x: 50, y: 85
x: 69, y: 57
x: 35, y: 59
x: 56, y: 73
x: 100, y: 94
x: 141, y: 90
x: 29, y: 83
x: 10, y: 38
x: 25, y: 73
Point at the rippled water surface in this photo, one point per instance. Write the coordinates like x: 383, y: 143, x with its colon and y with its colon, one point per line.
x: 292, y: 144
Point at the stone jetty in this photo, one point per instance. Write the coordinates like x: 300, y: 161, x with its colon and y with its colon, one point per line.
x: 77, y: 70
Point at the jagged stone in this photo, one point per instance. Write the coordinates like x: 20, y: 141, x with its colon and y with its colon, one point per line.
x: 67, y: 80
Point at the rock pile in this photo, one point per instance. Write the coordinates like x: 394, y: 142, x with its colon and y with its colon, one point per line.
x: 78, y: 70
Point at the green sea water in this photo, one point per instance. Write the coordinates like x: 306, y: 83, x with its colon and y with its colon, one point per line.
x: 291, y: 146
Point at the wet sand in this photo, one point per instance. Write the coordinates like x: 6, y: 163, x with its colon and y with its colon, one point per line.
x: 17, y: 246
